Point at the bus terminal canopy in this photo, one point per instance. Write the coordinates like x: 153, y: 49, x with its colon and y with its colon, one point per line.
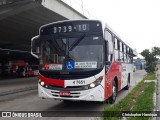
x: 20, y: 21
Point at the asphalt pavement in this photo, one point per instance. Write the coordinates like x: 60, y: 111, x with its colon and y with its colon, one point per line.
x: 29, y: 100
x: 9, y: 86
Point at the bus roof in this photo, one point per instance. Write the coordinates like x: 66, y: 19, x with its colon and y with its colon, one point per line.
x: 67, y: 21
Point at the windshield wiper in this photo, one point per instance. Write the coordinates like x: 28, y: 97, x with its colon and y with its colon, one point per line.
x: 76, y: 42
x: 57, y: 46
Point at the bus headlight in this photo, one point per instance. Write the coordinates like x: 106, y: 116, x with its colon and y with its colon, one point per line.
x: 42, y: 83
x: 95, y: 83
x: 92, y: 85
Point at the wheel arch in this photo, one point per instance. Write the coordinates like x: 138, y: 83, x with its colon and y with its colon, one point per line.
x: 129, y: 77
x: 116, y: 81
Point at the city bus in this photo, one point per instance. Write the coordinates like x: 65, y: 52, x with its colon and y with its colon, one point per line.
x: 81, y: 60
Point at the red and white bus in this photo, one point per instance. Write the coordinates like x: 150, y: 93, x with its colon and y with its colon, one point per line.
x: 31, y: 70
x: 81, y: 60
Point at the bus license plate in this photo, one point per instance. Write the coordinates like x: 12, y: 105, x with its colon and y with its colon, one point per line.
x: 65, y: 93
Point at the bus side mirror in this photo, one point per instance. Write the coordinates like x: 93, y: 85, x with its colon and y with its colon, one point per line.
x: 35, y: 47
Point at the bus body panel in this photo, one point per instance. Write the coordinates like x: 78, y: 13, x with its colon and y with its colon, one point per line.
x: 93, y: 94
x: 111, y: 75
x: 126, y: 74
x: 120, y: 71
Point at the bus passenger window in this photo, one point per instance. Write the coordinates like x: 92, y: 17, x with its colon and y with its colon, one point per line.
x: 116, y: 55
x: 124, y: 48
x: 115, y: 43
x: 125, y: 58
x: 120, y: 44
x: 106, y: 51
x: 129, y: 59
x: 121, y: 57
x: 127, y: 50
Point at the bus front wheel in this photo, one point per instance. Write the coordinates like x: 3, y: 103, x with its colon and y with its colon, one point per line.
x: 112, y: 99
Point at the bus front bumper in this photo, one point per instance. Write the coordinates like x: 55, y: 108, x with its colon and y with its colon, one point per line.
x: 94, y: 94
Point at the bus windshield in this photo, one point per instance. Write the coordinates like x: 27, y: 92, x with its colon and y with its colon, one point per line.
x: 72, y: 53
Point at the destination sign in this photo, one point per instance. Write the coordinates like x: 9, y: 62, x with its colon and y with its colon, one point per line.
x: 70, y: 27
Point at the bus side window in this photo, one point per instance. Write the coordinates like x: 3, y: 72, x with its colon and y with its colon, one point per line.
x: 106, y: 51
x: 115, y: 43
x: 116, y: 55
x: 121, y: 57
x: 124, y: 48
x: 125, y: 58
x: 116, y: 50
x: 129, y: 59
x: 109, y: 45
x: 127, y: 50
x: 120, y: 44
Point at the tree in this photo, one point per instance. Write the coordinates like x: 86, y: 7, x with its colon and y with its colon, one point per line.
x: 151, y: 58
x: 156, y: 51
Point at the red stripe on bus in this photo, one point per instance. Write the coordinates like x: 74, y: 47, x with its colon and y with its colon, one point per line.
x: 114, y: 71
x: 50, y: 81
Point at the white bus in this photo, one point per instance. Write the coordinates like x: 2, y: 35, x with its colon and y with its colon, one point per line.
x: 81, y: 60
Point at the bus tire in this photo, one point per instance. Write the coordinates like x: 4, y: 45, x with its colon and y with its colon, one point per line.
x: 112, y: 99
x: 128, y: 83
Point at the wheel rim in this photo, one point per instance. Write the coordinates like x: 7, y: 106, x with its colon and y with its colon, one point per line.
x: 114, y: 92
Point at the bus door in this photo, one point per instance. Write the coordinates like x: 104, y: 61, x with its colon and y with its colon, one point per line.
x: 108, y: 64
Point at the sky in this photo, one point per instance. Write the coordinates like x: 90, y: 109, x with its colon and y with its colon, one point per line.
x: 137, y: 22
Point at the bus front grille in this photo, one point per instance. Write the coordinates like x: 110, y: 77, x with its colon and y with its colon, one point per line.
x: 68, y: 88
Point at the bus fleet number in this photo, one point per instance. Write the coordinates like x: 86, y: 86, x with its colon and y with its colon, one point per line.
x: 79, y: 82
x: 64, y: 29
